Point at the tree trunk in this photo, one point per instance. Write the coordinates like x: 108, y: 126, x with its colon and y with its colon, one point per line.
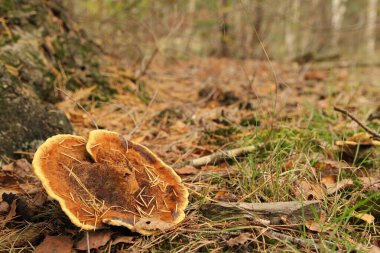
x: 338, y: 9
x: 291, y: 27
x: 224, y: 30
x: 41, y: 49
x: 371, y: 26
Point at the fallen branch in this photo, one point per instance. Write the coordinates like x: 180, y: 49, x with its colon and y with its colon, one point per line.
x: 216, y: 157
x: 374, y: 134
x: 274, y: 213
x: 303, y: 242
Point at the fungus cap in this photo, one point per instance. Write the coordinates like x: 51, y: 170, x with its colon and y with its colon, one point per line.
x: 110, y: 181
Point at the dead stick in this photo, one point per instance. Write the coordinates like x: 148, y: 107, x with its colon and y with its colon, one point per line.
x: 361, y: 124
x: 304, y: 242
x: 274, y: 213
x: 216, y: 157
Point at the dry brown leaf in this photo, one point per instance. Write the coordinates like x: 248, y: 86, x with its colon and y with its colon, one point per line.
x: 57, y: 244
x: 309, y: 190
x: 123, y: 239
x: 329, y: 167
x: 370, y: 183
x: 374, y: 249
x: 315, y: 75
x: 20, y: 168
x: 343, y: 184
x: 225, y: 195
x: 240, y: 239
x: 96, y: 238
x: 319, y: 226
x: 4, y: 207
x: 187, y: 170
x: 11, y: 214
x: 370, y: 219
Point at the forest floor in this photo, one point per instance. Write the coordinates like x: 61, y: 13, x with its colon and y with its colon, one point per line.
x: 182, y: 110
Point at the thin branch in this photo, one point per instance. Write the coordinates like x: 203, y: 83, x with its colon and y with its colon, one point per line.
x: 81, y: 107
x: 303, y: 242
x: 88, y: 242
x: 216, y: 157
x: 272, y: 213
x: 137, y: 126
x: 374, y: 134
x: 144, y: 66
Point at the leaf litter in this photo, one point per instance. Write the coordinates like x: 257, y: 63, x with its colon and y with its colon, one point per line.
x: 204, y: 106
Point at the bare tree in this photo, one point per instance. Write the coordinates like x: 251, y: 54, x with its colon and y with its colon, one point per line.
x: 338, y: 9
x: 291, y: 27
x: 224, y: 29
x: 371, y: 25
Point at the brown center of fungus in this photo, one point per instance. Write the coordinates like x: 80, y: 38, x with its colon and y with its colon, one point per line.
x: 110, y: 180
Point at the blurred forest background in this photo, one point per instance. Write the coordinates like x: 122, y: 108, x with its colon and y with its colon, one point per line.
x: 313, y: 30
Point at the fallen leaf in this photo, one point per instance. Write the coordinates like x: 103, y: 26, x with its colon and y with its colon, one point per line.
x: 57, y: 244
x: 309, y: 190
x: 370, y: 183
x: 225, y: 195
x: 365, y: 217
x: 11, y: 214
x: 315, y: 75
x: 96, y: 239
x: 319, y: 226
x: 329, y: 167
x: 123, y: 239
x: 4, y: 207
x: 343, y: 184
x: 374, y: 249
x: 20, y: 168
x: 239, y: 240
x: 187, y: 170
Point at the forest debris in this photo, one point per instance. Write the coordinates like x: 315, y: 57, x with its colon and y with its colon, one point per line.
x: 93, y: 240
x: 309, y: 190
x: 11, y: 214
x: 21, y: 169
x: 216, y: 157
x: 337, y: 186
x: 292, y: 212
x: 240, y: 239
x: 123, y: 239
x: 370, y: 183
x: 187, y: 170
x: 364, y: 217
x: 362, y: 125
x: 225, y: 195
x: 304, y: 242
x: 57, y: 244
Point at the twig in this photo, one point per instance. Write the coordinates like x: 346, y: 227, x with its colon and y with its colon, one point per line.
x: 213, y: 158
x: 88, y: 241
x: 144, y: 66
x: 273, y: 213
x: 81, y: 107
x: 137, y: 126
x: 304, y: 242
x: 361, y: 124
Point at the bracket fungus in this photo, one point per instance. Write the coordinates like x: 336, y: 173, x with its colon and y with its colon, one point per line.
x: 109, y: 180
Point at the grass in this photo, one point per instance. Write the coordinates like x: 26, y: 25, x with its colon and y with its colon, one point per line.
x: 262, y: 177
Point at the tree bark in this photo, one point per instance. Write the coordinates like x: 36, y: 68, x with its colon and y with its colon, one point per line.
x: 371, y: 26
x: 338, y: 9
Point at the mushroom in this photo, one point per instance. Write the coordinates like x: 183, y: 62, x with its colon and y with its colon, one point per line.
x: 109, y: 180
